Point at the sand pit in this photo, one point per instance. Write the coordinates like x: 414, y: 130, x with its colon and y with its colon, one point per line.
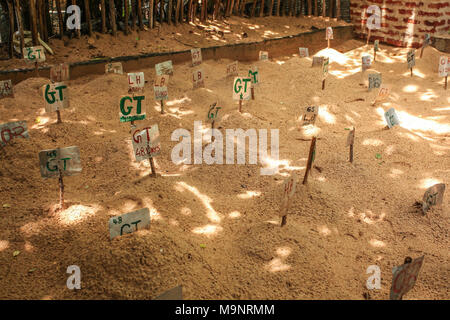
x: 215, y: 228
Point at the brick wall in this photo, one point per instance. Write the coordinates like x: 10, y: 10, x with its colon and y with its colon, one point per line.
x: 403, y: 22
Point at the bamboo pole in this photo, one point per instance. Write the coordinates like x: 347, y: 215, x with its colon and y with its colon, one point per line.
x: 20, y: 24
x: 112, y: 17
x: 87, y: 9
x: 11, y: 28
x: 33, y: 22
x: 103, y: 8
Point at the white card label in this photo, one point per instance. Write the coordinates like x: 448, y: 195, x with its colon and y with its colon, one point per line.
x: 12, y: 130
x: 56, y: 96
x: 241, y: 88
x: 391, y: 118
x: 67, y: 160
x: 146, y: 142
x: 129, y: 223
x: 114, y: 67
x: 34, y: 54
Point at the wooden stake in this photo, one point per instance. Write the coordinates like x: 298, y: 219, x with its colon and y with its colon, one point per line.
x: 127, y: 13
x: 33, y: 23
x: 87, y: 9
x: 309, y: 8
x: 162, y: 107
x: 152, y: 166
x: 445, y: 85
x: 271, y: 8
x: 261, y: 9
x: 11, y: 28
x: 61, y: 190
x: 338, y: 10
x: 310, y: 159
x: 368, y: 36
x: 139, y: 13
x: 112, y: 17
x: 103, y: 8
x: 252, y: 13
x: 240, y: 105
x: 324, y: 8
x: 323, y: 84
x: 58, y: 114
x: 161, y: 7
x: 133, y: 15
x: 278, y: 7
x: 328, y: 43
x: 151, y: 21
x: 60, y: 19
x: 212, y: 130
x: 283, y: 220
x: 169, y: 13
x: 20, y: 25
x: 411, y: 72
x: 253, y: 93
x: 351, y: 146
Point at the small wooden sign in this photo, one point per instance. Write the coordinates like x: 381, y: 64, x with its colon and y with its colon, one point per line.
x: 326, y: 64
x: 241, y: 88
x: 198, y: 78
x: 310, y: 115
x: 404, y: 277
x: 161, y: 93
x: 114, y: 67
x: 146, y: 142
x: 253, y: 73
x: 34, y: 54
x: 263, y: 55
x: 374, y: 80
x: 383, y: 94
x: 131, y: 108
x: 350, y: 143
x: 64, y: 160
x: 366, y: 63
x: 411, y: 58
x: 433, y: 197
x: 376, y: 45
x: 196, y: 54
x: 317, y: 61
x: 162, y: 80
x: 56, y: 96
x: 165, y: 67
x: 13, y: 130
x: 289, y: 187
x: 213, y: 113
x: 172, y: 294
x: 232, y: 69
x: 444, y: 66
x: 6, y: 89
x: 391, y: 118
x: 136, y: 82
x: 129, y: 223
x: 303, y: 52
x: 329, y: 34
x: 60, y: 73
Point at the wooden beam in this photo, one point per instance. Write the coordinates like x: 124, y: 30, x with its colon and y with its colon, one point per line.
x: 338, y: 9
x: 20, y: 24
x: 112, y: 17
x: 139, y: 14
x: 33, y: 22
x: 169, y: 12
x: 104, y: 30
x: 11, y: 28
x: 127, y: 13
x: 60, y: 19
x: 87, y: 10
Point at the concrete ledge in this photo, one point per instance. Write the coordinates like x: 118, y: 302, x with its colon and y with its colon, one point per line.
x: 278, y: 47
x: 441, y: 43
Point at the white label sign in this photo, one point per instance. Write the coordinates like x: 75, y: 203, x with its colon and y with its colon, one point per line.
x: 196, y: 56
x: 326, y: 64
x: 162, y: 81
x: 60, y: 73
x: 161, y: 93
x: 67, y: 160
x: 129, y: 223
x: 12, y: 130
x: 289, y: 186
x: 374, y: 80
x: 198, y: 78
x: 241, y: 88
x: 6, y: 89
x: 433, y: 197
x: 56, y: 96
x: 34, y: 54
x: 232, y: 69
x: 317, y: 61
x: 391, y: 117
x: 310, y: 115
x: 366, y: 62
x: 164, y: 68
x: 444, y: 66
x: 411, y: 58
x: 404, y: 277
x: 304, y: 52
x: 263, y: 55
x: 383, y: 93
x: 374, y: 21
x: 253, y: 73
x: 213, y: 113
x: 329, y: 34
x: 146, y: 142
x: 131, y: 108
x: 136, y: 82
x: 114, y: 67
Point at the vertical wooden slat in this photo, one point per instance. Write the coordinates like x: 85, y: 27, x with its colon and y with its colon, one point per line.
x: 230, y: 11
x: 177, y: 11
x: 139, y: 14
x: 252, y: 13
x: 332, y: 8
x: 60, y: 18
x: 241, y: 9
x: 194, y: 10
x: 316, y: 7
x: 33, y: 22
x: 87, y: 10
x: 112, y: 17
x: 40, y: 20
x: 309, y: 7
x: 182, y: 11
x: 278, y: 7
x: 261, y: 9
x: 202, y: 12
x: 103, y: 16
x: 45, y: 14
x: 271, y: 8
x: 11, y: 28
x: 216, y: 9
x: 127, y: 13
x: 338, y: 9
x: 133, y: 15
x: 189, y: 17
x: 20, y: 23
x: 169, y: 12
x: 324, y: 8
x: 77, y: 31
x: 161, y: 9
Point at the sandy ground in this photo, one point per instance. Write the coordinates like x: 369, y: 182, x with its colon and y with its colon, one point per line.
x: 215, y: 228
x: 173, y: 38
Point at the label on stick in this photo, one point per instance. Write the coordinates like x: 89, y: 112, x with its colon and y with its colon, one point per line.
x: 131, y: 108
x: 391, y: 118
x: 164, y: 68
x: 374, y: 80
x: 404, y: 278
x: 196, y: 54
x: 60, y: 73
x: 6, y: 89
x: 289, y: 186
x: 213, y: 113
x: 65, y: 159
x: 329, y: 34
x: 351, y: 138
x: 56, y: 96
x: 411, y: 58
x: 198, y: 78
x: 129, y: 223
x: 253, y: 73
x: 146, y: 142
x: 303, y: 52
x: 241, y: 88
x: 317, y: 61
x: 114, y: 67
x: 376, y: 45
x: 426, y: 40
x: 326, y: 64
x: 232, y: 69
x: 136, y: 81
x: 161, y: 93
x: 263, y: 55
x: 433, y: 197
x: 383, y: 93
x: 444, y: 67
x: 366, y: 63
x: 34, y: 54
x: 12, y: 130
x: 310, y: 115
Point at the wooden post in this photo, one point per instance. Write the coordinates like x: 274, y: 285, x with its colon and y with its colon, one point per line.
x: 328, y: 43
x: 33, y: 22
x: 58, y: 114
x: 241, y: 10
x: 189, y: 15
x: 283, y: 220
x: 103, y: 8
x: 212, y: 130
x: 112, y: 17
x: 309, y: 7
x: 324, y: 8
x: 20, y: 24
x: 253, y: 93
x: 161, y: 7
x: 351, y: 146
x: 127, y: 13
x: 133, y: 15
x: 316, y: 8
x: 152, y: 166
x: 323, y: 84
x: 338, y: 10
x: 261, y: 9
x: 162, y: 107
x: 278, y: 7
x: 169, y: 13
x: 61, y: 190
x: 182, y: 11
x: 411, y: 72
x: 368, y: 36
x: 139, y: 13
x: 240, y: 105
x: 252, y: 13
x: 11, y: 28
x: 177, y: 11
x: 445, y: 85
x: 202, y: 12
x: 310, y: 159
x: 60, y: 19
x: 87, y: 9
x: 332, y: 7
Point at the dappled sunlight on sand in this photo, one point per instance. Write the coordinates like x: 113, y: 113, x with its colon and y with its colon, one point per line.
x: 377, y: 243
x: 76, y: 214
x: 277, y: 264
x: 4, y: 245
x: 428, y: 182
x: 249, y: 194
x: 208, y: 230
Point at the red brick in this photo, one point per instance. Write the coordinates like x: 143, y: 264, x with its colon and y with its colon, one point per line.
x: 432, y: 30
x: 353, y: 5
x: 389, y: 18
x: 413, y: 4
x: 411, y: 21
x: 403, y: 11
x: 438, y: 5
x: 434, y: 23
x: 397, y: 43
x: 429, y: 14
x: 384, y: 25
x: 401, y: 27
x: 387, y: 10
x: 390, y: 32
x: 392, y: 2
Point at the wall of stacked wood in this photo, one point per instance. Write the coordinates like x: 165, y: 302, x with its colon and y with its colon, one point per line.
x: 403, y: 22
x: 47, y: 18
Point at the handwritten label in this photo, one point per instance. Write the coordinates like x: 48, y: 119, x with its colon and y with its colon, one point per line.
x: 67, y: 160
x: 433, y: 197
x: 241, y: 88
x: 411, y: 58
x: 198, y: 78
x: 161, y: 93
x: 383, y: 93
x: 444, y: 66
x: 263, y: 55
x: 376, y: 45
x: 114, y: 67
x: 253, y: 74
x: 317, y: 61
x: 131, y: 108
x: 326, y: 64
x: 213, y: 113
x: 404, y: 278
x: 304, y: 52
x: 351, y: 138
x: 310, y: 115
x: 391, y: 117
x: 56, y: 96
x: 162, y: 80
x: 12, y: 130
x: 129, y: 223
x: 146, y: 142
x: 136, y: 82
x: 34, y: 54
x: 164, y: 68
x: 196, y: 54
x: 60, y: 73
x: 6, y: 89
x: 366, y: 62
x: 232, y: 69
x: 329, y: 34
x: 374, y: 80
x: 289, y: 187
